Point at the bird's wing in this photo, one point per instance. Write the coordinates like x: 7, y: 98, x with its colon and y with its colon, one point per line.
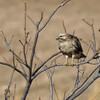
x: 76, y: 43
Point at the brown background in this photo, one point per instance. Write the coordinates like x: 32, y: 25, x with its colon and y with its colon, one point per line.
x: 12, y: 22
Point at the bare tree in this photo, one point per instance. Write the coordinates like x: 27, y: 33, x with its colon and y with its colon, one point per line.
x: 33, y: 70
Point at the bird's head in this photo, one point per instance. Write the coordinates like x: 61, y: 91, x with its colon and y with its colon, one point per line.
x: 62, y: 37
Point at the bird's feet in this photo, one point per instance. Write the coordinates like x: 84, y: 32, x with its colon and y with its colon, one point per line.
x: 72, y: 64
x: 66, y: 63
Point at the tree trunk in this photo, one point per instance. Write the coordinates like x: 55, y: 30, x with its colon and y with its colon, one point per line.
x: 26, y: 90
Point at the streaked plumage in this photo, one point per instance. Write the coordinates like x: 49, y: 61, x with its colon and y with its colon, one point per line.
x: 70, y: 46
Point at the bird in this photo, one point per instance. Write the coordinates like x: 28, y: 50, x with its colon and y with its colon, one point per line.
x: 70, y: 46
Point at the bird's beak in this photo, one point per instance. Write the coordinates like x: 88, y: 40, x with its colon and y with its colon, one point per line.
x: 57, y: 38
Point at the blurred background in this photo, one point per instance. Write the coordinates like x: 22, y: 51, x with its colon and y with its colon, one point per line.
x: 12, y: 22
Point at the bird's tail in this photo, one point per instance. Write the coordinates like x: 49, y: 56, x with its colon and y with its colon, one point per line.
x: 83, y: 56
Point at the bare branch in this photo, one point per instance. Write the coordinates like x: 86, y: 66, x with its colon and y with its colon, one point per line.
x: 54, y: 11
x: 64, y: 95
x: 11, y: 39
x: 64, y: 26
x: 50, y: 75
x: 24, y: 50
x: 41, y: 28
x: 55, y: 91
x: 94, y: 39
x: 8, y: 46
x: 23, y: 69
x: 9, y: 85
x: 82, y: 83
x: 25, y: 20
x: 40, y: 18
x: 54, y: 60
x: 84, y: 87
x: 14, y: 92
x: 40, y: 61
x: 77, y: 77
x: 30, y: 19
x: 93, y: 33
x: 46, y: 68
x: 74, y: 32
x: 45, y: 62
x: 84, y: 68
x: 34, y: 47
x: 24, y: 53
x: 87, y: 22
x: 89, y: 75
x: 57, y: 65
x: 17, y: 70
x: 4, y: 58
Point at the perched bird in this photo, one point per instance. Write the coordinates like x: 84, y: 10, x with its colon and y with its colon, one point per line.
x: 70, y: 46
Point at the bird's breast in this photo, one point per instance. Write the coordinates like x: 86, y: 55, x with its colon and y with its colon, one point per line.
x: 66, y: 47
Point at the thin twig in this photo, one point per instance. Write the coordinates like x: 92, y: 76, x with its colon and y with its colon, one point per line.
x: 24, y: 51
x: 8, y: 46
x: 64, y: 95
x: 50, y: 75
x: 77, y: 77
x: 54, y: 11
x: 94, y: 39
x: 64, y: 26
x: 93, y: 33
x: 84, y: 87
x: 23, y: 69
x: 11, y: 39
x: 9, y: 85
x: 30, y: 19
x: 84, y: 68
x: 41, y: 17
x: 54, y: 60
x: 17, y: 70
x: 41, y: 28
x: 57, y: 65
x: 25, y: 20
x: 83, y: 82
x: 14, y: 93
x: 55, y: 91
x: 45, y: 62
